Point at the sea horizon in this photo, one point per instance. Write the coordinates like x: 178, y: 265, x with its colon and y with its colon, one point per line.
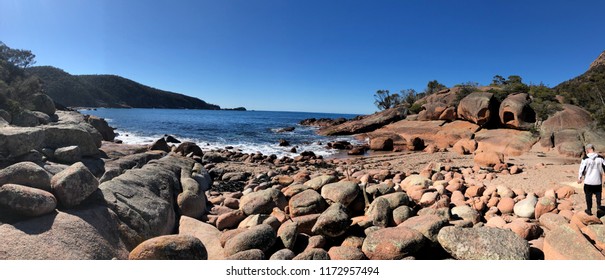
x: 88, y: 108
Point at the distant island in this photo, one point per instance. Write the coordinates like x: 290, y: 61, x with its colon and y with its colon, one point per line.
x: 235, y: 109
x: 110, y: 91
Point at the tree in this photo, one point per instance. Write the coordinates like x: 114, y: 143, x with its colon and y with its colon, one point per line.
x: 498, y: 80
x: 434, y: 86
x: 410, y: 96
x: 385, y: 100
x: 17, y: 57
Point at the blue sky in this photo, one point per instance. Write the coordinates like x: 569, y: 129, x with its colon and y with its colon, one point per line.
x: 315, y: 56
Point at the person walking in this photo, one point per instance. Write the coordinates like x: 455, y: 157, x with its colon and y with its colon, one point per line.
x: 591, y: 169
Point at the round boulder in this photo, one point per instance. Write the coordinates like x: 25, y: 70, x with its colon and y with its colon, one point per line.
x: 26, y: 173
x: 342, y: 192
x: 170, y: 247
x: 333, y: 222
x: 73, y: 185
x: 258, y: 237
x: 392, y: 243
x: 526, y: 208
x: 26, y: 201
x: 306, y: 202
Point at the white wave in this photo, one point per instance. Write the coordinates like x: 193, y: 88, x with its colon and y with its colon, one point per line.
x: 244, y: 147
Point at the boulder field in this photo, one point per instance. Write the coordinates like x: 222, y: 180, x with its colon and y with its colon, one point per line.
x: 172, y: 200
x: 509, y: 127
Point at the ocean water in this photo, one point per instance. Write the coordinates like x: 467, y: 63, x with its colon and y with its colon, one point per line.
x: 249, y: 131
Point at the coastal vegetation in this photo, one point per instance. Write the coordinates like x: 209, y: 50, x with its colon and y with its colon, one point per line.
x: 109, y: 91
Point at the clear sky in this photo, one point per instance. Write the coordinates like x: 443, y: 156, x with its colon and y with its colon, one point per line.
x: 308, y: 55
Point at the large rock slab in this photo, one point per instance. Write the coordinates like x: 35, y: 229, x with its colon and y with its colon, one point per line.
x: 484, y: 243
x: 143, y: 198
x: 566, y: 243
x: 438, y: 133
x: 367, y: 123
x: 17, y: 141
x: 83, y: 234
x: 82, y: 135
x: 392, y: 243
x: 508, y: 142
x: 208, y: 234
x: 571, y: 117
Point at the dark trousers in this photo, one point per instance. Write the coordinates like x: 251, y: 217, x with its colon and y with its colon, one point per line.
x: 590, y: 190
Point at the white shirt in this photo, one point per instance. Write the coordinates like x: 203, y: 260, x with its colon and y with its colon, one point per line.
x: 592, y: 169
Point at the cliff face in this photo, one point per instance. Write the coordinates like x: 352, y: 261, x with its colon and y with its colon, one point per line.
x: 109, y: 91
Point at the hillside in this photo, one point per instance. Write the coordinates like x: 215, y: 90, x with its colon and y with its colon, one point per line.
x: 109, y: 91
x: 588, y: 89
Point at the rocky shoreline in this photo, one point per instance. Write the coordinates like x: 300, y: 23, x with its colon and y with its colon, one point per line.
x: 68, y: 192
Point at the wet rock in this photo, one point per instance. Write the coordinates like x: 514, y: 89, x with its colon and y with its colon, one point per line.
x: 160, y: 145
x: 187, y: 148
